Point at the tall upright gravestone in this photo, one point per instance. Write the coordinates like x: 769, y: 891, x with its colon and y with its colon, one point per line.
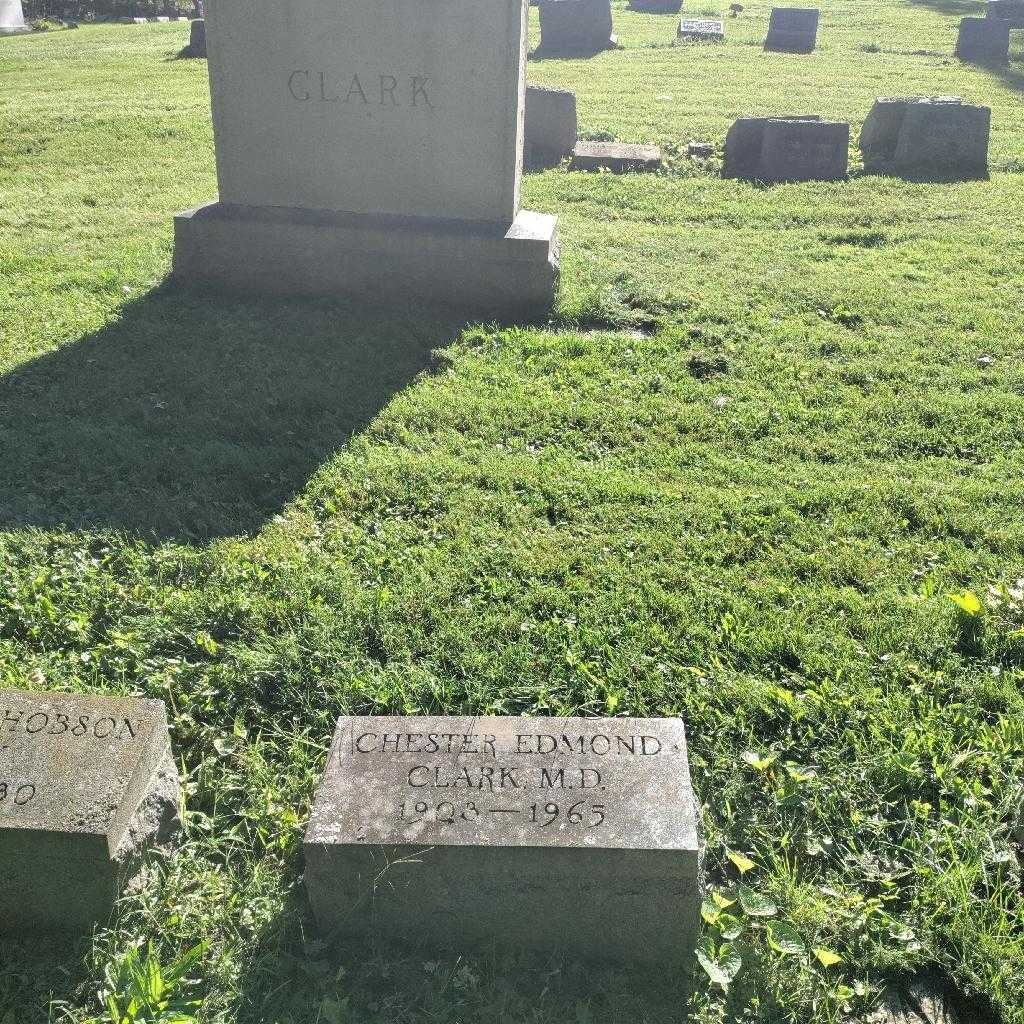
x: 371, y: 149
x: 12, y: 18
x: 87, y: 783
x: 573, y: 835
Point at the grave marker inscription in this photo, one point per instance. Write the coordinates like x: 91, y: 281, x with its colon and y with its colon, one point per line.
x: 574, y: 835
x: 86, y: 784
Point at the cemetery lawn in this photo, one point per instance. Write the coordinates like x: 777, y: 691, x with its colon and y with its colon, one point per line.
x: 764, y: 470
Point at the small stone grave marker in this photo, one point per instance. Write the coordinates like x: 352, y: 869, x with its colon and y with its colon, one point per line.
x: 575, y: 28
x: 551, y: 125
x: 1011, y: 11
x: 787, y: 148
x: 570, y: 835
x: 983, y: 41
x: 701, y: 30
x: 793, y: 29
x: 617, y: 157
x: 929, y: 137
x: 86, y: 784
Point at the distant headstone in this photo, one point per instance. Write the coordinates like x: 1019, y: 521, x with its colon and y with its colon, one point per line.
x: 551, y: 125
x: 196, y: 39
x: 1006, y: 10
x: 575, y: 27
x: 86, y: 785
x: 937, y: 137
x: 12, y: 18
x: 572, y: 835
x: 793, y: 29
x: 709, y: 30
x: 656, y: 6
x: 983, y: 41
x: 791, y: 148
x: 617, y: 157
x: 373, y: 150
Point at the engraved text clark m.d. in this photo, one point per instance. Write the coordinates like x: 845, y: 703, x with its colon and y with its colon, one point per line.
x: 364, y: 90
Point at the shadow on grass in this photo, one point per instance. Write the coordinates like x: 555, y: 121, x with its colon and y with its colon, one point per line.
x: 196, y: 416
x: 294, y: 977
x: 38, y: 972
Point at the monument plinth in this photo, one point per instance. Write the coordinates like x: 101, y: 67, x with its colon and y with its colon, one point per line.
x: 573, y: 835
x: 86, y: 785
x: 12, y: 18
x: 371, y: 149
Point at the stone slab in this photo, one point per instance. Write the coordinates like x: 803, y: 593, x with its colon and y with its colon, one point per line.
x: 480, y: 267
x: 793, y: 29
x: 573, y: 835
x: 196, y: 39
x: 983, y: 41
x: 701, y: 30
x: 575, y: 27
x: 926, y: 137
x: 12, y: 18
x: 617, y: 157
x: 86, y: 784
x: 551, y: 125
x: 392, y: 107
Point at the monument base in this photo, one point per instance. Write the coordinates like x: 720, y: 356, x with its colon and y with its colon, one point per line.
x: 482, y: 268
x: 6, y: 30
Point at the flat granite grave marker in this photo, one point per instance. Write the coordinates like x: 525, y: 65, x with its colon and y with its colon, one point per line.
x: 87, y: 783
x: 575, y: 28
x: 710, y: 30
x: 928, y: 137
x: 617, y: 157
x: 12, y: 18
x: 983, y: 41
x: 793, y: 29
x: 371, y: 149
x: 573, y: 835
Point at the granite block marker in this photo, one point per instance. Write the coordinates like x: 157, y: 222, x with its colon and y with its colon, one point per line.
x: 573, y: 835
x: 87, y: 784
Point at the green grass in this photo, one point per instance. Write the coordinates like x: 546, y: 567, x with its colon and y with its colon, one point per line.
x: 766, y: 434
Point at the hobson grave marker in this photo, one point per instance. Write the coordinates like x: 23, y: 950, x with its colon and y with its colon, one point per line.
x: 371, y: 149
x: 87, y: 784
x: 571, y: 835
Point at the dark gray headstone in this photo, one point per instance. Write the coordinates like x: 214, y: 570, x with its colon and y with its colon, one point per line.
x: 983, y: 41
x: 580, y: 27
x: 573, y: 835
x: 1011, y: 11
x: 197, y: 39
x: 805, y: 151
x: 86, y: 784
x: 710, y: 30
x: 744, y: 146
x: 793, y: 29
x: 656, y: 6
x: 550, y: 125
x: 926, y: 137
x: 617, y: 157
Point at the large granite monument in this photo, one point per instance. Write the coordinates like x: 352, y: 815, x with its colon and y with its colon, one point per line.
x: 12, y: 18
x: 371, y: 149
x: 983, y: 41
x: 574, y: 835
x: 86, y: 785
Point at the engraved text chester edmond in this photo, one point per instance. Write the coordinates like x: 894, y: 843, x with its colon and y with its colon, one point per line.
x: 442, y: 790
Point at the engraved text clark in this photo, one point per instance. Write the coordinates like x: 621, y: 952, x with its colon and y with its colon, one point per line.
x: 361, y: 90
